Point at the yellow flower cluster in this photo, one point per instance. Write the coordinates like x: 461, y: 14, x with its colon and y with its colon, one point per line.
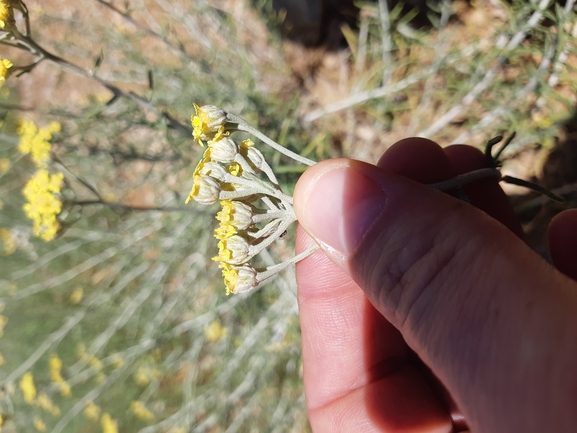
x: 144, y: 375
x: 92, y: 411
x: 36, y: 141
x: 214, y: 331
x: 229, y: 172
x: 255, y: 211
x: 76, y: 295
x: 4, y: 165
x: 39, y: 424
x: 139, y: 409
x: 47, y: 404
x: 3, y: 14
x: 5, y: 64
x: 108, y: 424
x: 55, y: 367
x: 8, y: 240
x: 28, y: 388
x: 3, y: 322
x: 6, y: 14
x: 42, y: 205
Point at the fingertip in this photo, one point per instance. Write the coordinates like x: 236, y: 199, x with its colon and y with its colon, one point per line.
x: 417, y: 158
x: 485, y: 194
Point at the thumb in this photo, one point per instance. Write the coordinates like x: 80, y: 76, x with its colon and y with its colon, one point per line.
x: 485, y: 313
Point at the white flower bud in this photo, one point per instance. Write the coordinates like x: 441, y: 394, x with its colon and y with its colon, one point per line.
x: 223, y: 150
x: 214, y: 170
x: 255, y: 157
x: 246, y: 279
x: 212, y: 116
x: 208, y: 122
x: 233, y: 250
x: 242, y: 217
x: 208, y: 190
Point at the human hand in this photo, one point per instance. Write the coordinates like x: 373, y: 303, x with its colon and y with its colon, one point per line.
x: 466, y: 327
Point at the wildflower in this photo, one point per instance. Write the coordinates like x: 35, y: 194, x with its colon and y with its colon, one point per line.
x: 39, y: 424
x: 76, y: 296
x: 65, y: 389
x: 223, y: 150
x: 144, y: 375
x: 108, y: 424
x: 5, y: 64
x: 117, y: 361
x: 9, y: 241
x: 91, y: 411
x: 239, y: 279
x: 55, y: 365
x: 141, y: 412
x: 215, y: 331
x: 36, y: 141
x: 42, y: 206
x: 3, y: 322
x: 7, y: 15
x: 28, y: 388
x: 1, y: 363
x: 4, y: 165
x: 46, y: 403
x: 205, y: 190
x: 235, y: 214
x: 254, y: 210
x: 233, y: 250
x: 3, y: 14
x: 208, y: 123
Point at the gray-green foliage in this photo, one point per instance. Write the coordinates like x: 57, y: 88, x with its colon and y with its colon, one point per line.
x: 149, y: 288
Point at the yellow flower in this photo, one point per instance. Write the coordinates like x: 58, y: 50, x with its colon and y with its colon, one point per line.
x: 235, y: 214
x: 108, y: 424
x: 36, y: 141
x: 1, y: 363
x: 141, y: 412
x: 39, y: 424
x: 238, y: 279
x: 3, y: 13
x: 144, y: 375
x: 76, y: 295
x: 6, y: 14
x: 46, y: 403
x: 3, y: 322
x: 55, y: 366
x: 215, y: 331
x: 117, y: 361
x: 65, y: 390
x: 233, y: 250
x: 5, y: 64
x: 91, y: 411
x: 28, y: 388
x: 9, y: 242
x: 208, y: 123
x: 4, y: 165
x: 42, y: 206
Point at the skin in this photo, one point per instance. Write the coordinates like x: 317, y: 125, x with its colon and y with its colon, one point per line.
x: 424, y: 313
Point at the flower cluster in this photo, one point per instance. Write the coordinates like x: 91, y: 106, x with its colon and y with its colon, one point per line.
x: 5, y: 64
x: 7, y: 14
x: 141, y: 412
x: 55, y: 367
x: 254, y: 210
x: 42, y: 205
x: 36, y: 141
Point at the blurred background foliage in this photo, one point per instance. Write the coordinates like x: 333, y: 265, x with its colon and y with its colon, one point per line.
x: 121, y: 322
